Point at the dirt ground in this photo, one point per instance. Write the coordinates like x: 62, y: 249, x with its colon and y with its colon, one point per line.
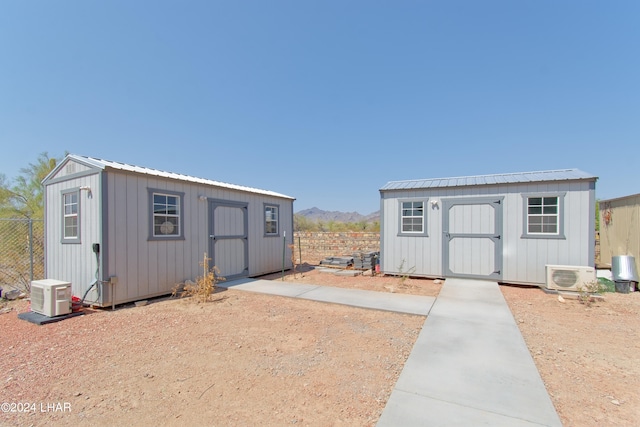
x: 252, y: 359
x: 587, y: 356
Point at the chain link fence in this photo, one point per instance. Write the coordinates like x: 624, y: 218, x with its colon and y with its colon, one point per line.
x: 21, y: 253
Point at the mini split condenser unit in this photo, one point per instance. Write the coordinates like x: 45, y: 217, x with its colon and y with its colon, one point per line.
x: 51, y: 297
x: 569, y: 277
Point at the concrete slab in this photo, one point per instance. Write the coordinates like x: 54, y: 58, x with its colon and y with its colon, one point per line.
x: 272, y: 287
x: 399, y: 303
x: 347, y: 273
x: 325, y: 270
x: 408, y: 409
x: 469, y: 366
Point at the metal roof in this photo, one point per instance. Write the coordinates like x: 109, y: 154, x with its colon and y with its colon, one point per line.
x: 497, y: 179
x: 616, y: 199
x: 103, y: 164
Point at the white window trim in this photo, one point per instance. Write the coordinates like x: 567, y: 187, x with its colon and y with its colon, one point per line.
x: 422, y: 233
x: 180, y: 196
x: 277, y: 219
x: 560, y: 215
x: 77, y: 215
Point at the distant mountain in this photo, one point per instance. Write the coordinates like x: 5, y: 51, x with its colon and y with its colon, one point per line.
x: 315, y: 214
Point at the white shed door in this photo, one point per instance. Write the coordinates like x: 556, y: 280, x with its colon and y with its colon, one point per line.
x: 472, y: 238
x: 228, y: 239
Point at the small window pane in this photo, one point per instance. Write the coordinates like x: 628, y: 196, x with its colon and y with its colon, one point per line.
x: 550, y: 228
x: 536, y: 220
x: 535, y: 210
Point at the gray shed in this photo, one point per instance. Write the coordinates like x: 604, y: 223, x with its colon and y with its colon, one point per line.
x: 122, y: 233
x: 504, y: 227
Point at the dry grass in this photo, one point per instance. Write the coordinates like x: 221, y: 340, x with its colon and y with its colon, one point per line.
x: 204, y: 287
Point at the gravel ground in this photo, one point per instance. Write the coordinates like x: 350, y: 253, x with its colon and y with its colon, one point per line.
x: 250, y: 359
x: 244, y: 359
x: 588, y: 356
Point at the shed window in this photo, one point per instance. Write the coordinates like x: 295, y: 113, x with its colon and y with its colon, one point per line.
x: 271, y: 220
x: 166, y: 212
x: 71, y: 217
x: 543, y: 215
x: 412, y: 217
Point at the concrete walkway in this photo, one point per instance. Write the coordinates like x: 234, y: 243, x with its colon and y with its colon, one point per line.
x: 400, y: 303
x: 469, y: 366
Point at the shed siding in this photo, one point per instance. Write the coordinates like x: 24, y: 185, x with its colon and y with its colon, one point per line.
x: 73, y: 262
x: 621, y: 236
x: 118, y: 217
x: 523, y: 258
x: 146, y: 268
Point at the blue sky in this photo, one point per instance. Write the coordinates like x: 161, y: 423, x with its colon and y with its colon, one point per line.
x: 326, y: 101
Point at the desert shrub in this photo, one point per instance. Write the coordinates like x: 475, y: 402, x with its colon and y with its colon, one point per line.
x: 204, y: 286
x: 587, y: 291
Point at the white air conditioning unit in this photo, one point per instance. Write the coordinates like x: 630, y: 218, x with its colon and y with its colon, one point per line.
x: 569, y: 277
x: 51, y: 297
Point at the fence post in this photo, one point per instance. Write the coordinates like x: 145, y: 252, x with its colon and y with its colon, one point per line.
x: 31, y: 249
